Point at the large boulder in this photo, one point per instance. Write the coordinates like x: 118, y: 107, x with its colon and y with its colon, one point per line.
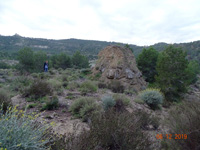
x: 117, y: 63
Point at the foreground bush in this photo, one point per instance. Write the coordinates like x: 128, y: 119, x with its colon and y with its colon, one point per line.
x: 4, y: 100
x: 184, y: 119
x: 88, y: 87
x: 20, y: 131
x: 152, y: 97
x: 84, y: 107
x: 38, y: 89
x: 112, y: 131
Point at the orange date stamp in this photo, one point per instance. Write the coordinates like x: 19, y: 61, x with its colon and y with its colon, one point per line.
x: 172, y: 136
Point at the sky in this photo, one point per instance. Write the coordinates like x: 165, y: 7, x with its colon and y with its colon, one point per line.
x: 139, y: 22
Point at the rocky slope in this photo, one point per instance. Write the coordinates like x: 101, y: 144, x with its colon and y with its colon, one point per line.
x: 118, y: 64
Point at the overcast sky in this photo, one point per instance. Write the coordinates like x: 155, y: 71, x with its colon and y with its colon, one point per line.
x: 140, y: 22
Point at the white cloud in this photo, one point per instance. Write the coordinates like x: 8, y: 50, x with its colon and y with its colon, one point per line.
x: 129, y: 21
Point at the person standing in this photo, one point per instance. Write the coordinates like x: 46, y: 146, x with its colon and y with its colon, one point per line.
x: 46, y: 66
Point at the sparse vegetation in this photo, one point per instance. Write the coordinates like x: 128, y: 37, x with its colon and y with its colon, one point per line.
x: 84, y: 107
x: 88, y: 87
x: 119, y: 120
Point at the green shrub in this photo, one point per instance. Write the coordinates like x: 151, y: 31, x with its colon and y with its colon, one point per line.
x: 116, y: 86
x: 32, y: 105
x: 4, y: 65
x: 102, y: 85
x: 121, y: 102
x: 20, y: 131
x: 51, y: 104
x: 21, y: 82
x: 84, y: 107
x: 152, y: 97
x: 122, y: 97
x: 88, y: 87
x: 111, y: 131
x: 70, y: 96
x: 64, y: 84
x: 52, y: 72
x: 184, y: 120
x: 108, y: 102
x: 72, y: 85
x: 38, y: 89
x: 64, y: 78
x: 130, y: 91
x: 56, y: 84
x: 4, y: 100
x: 35, y: 75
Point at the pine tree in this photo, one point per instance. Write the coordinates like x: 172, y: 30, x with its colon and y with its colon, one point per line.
x: 146, y: 62
x: 171, y: 68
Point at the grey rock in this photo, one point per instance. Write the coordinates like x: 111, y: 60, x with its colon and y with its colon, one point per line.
x: 111, y: 74
x: 129, y: 74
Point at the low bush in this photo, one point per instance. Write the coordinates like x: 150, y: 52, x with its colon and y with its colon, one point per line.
x: 123, y: 97
x: 152, y: 97
x: 121, y: 102
x: 184, y: 124
x: 35, y: 75
x: 20, y: 131
x: 51, y: 104
x: 55, y: 83
x: 32, y: 105
x: 102, y: 85
x: 4, y: 65
x: 84, y: 107
x: 116, y: 101
x: 73, y: 85
x: 88, y: 87
x: 116, y: 86
x: 5, y: 101
x: 20, y: 83
x: 111, y: 131
x: 64, y: 78
x: 108, y: 102
x: 38, y: 89
x: 64, y: 84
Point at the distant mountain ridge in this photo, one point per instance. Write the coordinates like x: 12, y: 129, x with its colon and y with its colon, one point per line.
x: 87, y: 47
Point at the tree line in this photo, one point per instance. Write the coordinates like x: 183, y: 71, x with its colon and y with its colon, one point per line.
x: 31, y: 61
x: 169, y: 70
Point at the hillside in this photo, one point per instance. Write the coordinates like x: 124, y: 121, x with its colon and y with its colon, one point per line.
x: 87, y: 47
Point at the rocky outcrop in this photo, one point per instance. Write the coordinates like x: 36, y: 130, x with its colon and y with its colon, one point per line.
x: 117, y: 63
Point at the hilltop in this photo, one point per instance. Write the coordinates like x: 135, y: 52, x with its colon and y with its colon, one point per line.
x: 90, y: 48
